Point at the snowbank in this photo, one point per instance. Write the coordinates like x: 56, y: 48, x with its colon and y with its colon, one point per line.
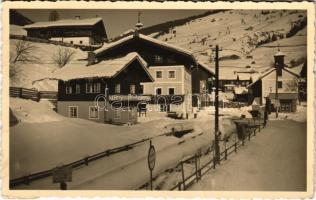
x: 29, y: 111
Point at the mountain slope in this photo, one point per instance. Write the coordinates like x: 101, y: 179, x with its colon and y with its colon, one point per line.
x: 243, y: 35
x: 27, y: 73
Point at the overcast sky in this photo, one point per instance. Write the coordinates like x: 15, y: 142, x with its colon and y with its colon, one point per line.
x: 116, y: 21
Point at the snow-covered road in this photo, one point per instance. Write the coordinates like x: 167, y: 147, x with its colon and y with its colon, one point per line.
x: 274, y: 161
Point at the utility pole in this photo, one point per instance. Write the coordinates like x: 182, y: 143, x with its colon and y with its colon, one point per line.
x: 216, y: 134
x: 276, y: 92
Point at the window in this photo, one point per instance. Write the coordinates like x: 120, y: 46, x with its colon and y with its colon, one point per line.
x: 132, y: 89
x: 93, y: 87
x: 279, y: 71
x: 80, y: 41
x: 93, y: 112
x: 71, y: 42
x: 77, y: 89
x: 73, y: 111
x: 158, y: 91
x: 68, y: 89
x: 158, y: 59
x: 172, y: 74
x: 141, y: 89
x: 158, y: 74
x: 171, y: 91
x: 117, y: 88
x: 279, y: 84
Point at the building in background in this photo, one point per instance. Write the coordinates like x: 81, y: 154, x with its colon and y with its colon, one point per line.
x: 89, y: 31
x: 177, y: 74
x: 280, y: 79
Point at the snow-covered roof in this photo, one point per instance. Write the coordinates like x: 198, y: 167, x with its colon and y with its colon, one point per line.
x: 244, y: 76
x: 65, y: 22
x: 206, y: 67
x: 240, y: 90
x: 107, y: 68
x: 144, y: 37
x: 267, y: 72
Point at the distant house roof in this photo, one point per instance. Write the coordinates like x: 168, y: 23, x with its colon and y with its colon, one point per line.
x: 106, y: 47
x: 109, y: 46
x: 267, y: 72
x: 65, y: 22
x: 240, y: 90
x: 206, y: 67
x: 107, y: 68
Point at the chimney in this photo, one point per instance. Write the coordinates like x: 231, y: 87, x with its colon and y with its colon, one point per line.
x: 91, y: 58
x: 279, y: 62
x: 77, y: 17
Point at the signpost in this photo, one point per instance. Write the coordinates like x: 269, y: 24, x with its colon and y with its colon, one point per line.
x: 151, y: 162
x: 62, y: 175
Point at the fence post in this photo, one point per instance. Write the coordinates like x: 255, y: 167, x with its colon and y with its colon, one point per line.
x: 225, y: 151
x: 183, y: 179
x: 214, y: 161
x: 38, y: 95
x: 179, y: 186
x: 196, y: 168
x: 20, y: 92
x: 235, y: 146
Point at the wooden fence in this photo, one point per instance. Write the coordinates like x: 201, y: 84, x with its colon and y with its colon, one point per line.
x: 201, y: 170
x: 79, y: 163
x: 32, y: 94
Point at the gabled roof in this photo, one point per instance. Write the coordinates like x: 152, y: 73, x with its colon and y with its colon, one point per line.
x: 267, y: 72
x: 108, y: 46
x: 65, y: 22
x: 207, y: 68
x: 107, y: 68
x: 111, y: 45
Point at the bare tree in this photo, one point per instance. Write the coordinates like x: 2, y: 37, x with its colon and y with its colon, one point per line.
x: 23, y: 53
x: 63, y: 56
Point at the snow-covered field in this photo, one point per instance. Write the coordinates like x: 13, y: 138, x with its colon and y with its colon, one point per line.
x: 59, y: 140
x: 41, y: 146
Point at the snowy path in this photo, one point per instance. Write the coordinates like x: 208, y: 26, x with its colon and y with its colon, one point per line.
x: 274, y: 160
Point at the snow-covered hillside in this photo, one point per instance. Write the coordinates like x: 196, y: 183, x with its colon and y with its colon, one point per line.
x: 27, y: 73
x: 247, y: 37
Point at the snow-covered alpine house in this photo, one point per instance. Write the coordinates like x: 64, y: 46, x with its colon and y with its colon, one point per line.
x: 280, y: 82
x: 134, y: 72
x: 89, y: 31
